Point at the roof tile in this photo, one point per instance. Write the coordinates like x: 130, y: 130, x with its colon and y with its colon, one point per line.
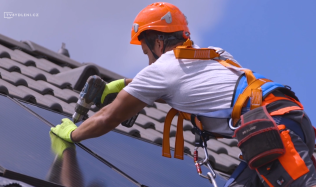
x: 41, y: 63
x: 149, y: 134
x: 189, y: 137
x: 11, y: 78
x: 66, y: 94
x: 3, y: 87
x: 146, y: 122
x: 15, y: 92
x: 231, y: 151
x: 34, y: 73
x: 225, y: 163
x: 130, y: 131
x: 34, y: 85
x: 229, y: 142
x: 163, y: 107
x: 214, y: 145
x: 8, y: 65
x: 29, y: 71
x: 45, y: 100
x: 155, y: 114
x: 5, y: 49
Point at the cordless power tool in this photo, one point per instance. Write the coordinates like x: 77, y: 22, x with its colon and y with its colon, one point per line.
x: 91, y: 95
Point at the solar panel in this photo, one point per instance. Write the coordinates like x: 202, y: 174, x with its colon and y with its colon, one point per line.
x: 26, y: 153
x: 140, y: 160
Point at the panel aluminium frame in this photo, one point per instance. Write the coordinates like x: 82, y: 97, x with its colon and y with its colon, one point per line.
x: 27, y: 149
x: 139, y: 159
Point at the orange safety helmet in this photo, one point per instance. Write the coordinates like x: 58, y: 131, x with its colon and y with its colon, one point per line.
x: 163, y: 17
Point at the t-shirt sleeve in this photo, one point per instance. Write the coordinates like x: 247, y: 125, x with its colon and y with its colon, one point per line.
x: 148, y: 85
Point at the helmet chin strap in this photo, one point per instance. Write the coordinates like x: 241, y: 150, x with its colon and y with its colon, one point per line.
x: 165, y: 42
x: 147, y: 43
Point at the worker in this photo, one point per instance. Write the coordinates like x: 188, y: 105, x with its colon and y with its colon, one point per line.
x: 193, y: 85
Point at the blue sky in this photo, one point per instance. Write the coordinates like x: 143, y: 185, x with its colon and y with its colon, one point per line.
x: 276, y: 38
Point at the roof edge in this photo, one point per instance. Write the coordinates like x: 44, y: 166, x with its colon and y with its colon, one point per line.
x: 54, y: 56
x: 106, y: 74
x: 11, y: 43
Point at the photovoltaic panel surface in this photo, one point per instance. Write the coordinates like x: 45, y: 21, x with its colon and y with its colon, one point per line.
x: 138, y: 159
x: 27, y: 148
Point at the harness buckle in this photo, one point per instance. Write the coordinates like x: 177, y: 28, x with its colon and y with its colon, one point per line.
x: 231, y: 125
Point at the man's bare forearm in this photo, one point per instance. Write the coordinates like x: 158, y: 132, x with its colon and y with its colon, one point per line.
x: 95, y: 126
x: 122, y: 108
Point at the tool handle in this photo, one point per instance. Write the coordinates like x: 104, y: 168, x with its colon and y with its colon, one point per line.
x: 109, y: 99
x: 130, y: 122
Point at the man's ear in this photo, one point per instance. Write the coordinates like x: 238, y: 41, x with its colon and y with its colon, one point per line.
x: 160, y: 45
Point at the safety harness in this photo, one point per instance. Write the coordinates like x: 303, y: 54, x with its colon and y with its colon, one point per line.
x: 251, y: 88
x: 252, y: 91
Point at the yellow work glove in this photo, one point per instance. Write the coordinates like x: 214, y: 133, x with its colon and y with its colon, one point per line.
x: 64, y: 129
x: 112, y: 87
x: 58, y: 145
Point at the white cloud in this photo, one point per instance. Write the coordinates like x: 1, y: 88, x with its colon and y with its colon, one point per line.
x: 98, y: 31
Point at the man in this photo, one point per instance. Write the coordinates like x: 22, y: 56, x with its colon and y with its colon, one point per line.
x: 189, y: 85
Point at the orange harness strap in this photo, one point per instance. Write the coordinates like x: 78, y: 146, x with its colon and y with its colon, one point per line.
x: 192, y: 53
x: 227, y: 63
x: 179, y: 144
x: 166, y: 133
x: 255, y: 85
x: 249, y: 75
x: 271, y: 98
x: 186, y: 51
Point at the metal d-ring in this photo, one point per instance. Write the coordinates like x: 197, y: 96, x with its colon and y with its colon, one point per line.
x: 231, y: 125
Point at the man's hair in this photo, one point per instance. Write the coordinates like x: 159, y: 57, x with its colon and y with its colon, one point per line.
x: 170, y: 39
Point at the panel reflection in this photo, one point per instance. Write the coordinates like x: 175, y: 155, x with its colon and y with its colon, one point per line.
x: 28, y: 148
x: 64, y: 163
x: 140, y: 160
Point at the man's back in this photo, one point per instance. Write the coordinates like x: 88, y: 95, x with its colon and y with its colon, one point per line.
x: 192, y: 86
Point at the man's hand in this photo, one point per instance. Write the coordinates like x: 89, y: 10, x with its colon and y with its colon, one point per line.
x: 64, y: 129
x: 122, y: 108
x: 59, y: 145
x: 112, y: 87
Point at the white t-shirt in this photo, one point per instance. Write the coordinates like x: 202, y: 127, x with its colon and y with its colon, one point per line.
x: 192, y: 86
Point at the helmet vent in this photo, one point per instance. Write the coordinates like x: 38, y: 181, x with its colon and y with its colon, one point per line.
x: 167, y: 17
x: 135, y: 27
x: 158, y: 4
